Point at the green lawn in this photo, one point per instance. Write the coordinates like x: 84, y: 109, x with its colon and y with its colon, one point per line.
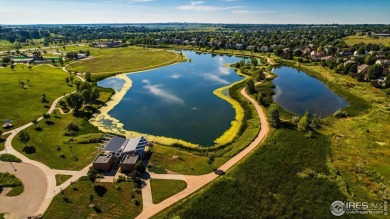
x: 47, y: 137
x: 109, y: 202
x: 112, y: 61
x: 181, y: 161
x: 163, y: 189
x: 352, y: 40
x: 23, y: 105
x: 16, y: 191
x: 61, y: 179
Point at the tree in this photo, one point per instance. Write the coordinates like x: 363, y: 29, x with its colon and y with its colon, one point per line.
x: 90, y: 199
x: 259, y: 75
x: 303, y: 124
x: 46, y: 116
x: 314, y: 122
x: 92, y: 176
x: 35, y: 122
x: 44, y: 98
x: 59, y: 150
x: 62, y: 103
x: 254, y: 61
x: 12, y: 67
x: 67, y: 80
x: 211, y: 159
x: 86, y: 94
x: 273, y: 112
x: 74, y: 100
x: 250, y: 86
x: 24, y: 137
x: 260, y: 98
x: 140, y: 167
x: 374, y: 71
x: 95, y: 94
x: 88, y: 77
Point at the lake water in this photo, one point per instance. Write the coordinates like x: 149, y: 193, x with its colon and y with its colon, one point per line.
x: 296, y: 91
x: 177, y: 101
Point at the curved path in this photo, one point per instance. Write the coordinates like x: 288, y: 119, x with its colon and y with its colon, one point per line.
x: 194, y: 183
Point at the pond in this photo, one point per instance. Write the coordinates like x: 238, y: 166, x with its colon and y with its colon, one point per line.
x: 296, y: 92
x: 177, y: 101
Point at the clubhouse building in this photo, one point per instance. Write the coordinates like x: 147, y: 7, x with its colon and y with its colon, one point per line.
x: 116, y: 149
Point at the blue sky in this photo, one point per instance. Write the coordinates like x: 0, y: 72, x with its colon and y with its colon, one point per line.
x: 206, y: 11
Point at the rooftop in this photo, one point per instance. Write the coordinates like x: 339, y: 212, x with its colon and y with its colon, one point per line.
x: 134, y: 144
x: 130, y: 159
x: 114, y: 144
x: 103, y: 158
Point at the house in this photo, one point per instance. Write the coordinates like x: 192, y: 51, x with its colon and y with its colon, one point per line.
x: 116, y: 149
x: 239, y: 46
x: 264, y: 49
x: 326, y: 58
x: 81, y: 56
x: 317, y: 55
x: 383, y: 62
x: 349, y: 62
x: 362, y: 69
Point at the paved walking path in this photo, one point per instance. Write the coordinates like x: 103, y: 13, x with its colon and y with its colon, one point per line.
x: 194, y: 183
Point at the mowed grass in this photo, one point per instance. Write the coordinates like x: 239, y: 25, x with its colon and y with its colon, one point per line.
x: 183, y: 162
x: 61, y: 179
x: 269, y: 183
x: 109, y: 202
x: 46, y: 138
x: 352, y: 40
x: 163, y: 189
x: 124, y: 60
x: 23, y: 105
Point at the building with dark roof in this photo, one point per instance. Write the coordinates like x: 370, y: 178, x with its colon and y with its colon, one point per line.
x: 118, y: 149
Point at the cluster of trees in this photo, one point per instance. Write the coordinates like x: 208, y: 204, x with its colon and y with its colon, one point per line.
x: 85, y: 93
x: 73, y: 54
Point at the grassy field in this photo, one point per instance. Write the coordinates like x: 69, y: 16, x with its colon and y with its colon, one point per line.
x: 352, y: 40
x: 61, y: 179
x: 163, y: 189
x: 270, y: 183
x: 22, y: 105
x: 48, y: 137
x: 183, y: 162
x: 112, y: 61
x: 109, y: 202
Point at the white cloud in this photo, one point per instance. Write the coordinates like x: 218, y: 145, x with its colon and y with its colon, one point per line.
x: 175, y: 76
x: 249, y: 12
x: 215, y: 78
x: 159, y: 92
x: 221, y: 68
x: 199, y: 6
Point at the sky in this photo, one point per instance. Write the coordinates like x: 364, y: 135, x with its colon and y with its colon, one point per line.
x: 206, y: 11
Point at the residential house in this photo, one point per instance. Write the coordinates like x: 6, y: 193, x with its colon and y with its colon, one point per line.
x: 362, y: 69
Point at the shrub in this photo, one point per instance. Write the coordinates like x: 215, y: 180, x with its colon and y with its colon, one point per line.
x: 72, y: 127
x: 340, y: 114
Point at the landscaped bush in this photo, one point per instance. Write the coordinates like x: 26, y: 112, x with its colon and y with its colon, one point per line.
x: 72, y: 127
